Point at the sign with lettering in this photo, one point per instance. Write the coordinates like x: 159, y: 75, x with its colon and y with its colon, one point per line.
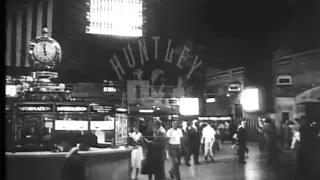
x: 155, y: 54
x: 71, y: 108
x: 35, y: 107
x: 155, y: 68
x: 101, y: 109
x: 121, y: 129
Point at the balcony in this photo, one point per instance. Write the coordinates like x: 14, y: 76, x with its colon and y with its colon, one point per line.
x: 231, y: 75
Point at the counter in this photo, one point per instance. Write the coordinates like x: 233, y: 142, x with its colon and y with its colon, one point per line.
x: 101, y: 164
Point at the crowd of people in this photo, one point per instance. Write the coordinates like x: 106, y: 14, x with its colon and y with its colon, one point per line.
x: 181, y: 141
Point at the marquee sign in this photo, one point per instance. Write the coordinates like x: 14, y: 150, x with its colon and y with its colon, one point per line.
x: 35, y: 107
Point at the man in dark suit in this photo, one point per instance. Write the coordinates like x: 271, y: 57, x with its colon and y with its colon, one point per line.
x: 157, y: 153
x: 242, y: 137
x: 193, y: 138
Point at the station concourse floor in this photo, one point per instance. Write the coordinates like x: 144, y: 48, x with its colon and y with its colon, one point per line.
x: 226, y: 166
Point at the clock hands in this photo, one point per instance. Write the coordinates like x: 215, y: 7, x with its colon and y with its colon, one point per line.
x: 44, y: 49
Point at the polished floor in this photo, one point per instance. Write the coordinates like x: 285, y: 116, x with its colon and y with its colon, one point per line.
x: 227, y: 167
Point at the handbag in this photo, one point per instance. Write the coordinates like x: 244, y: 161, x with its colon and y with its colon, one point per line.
x: 145, y: 167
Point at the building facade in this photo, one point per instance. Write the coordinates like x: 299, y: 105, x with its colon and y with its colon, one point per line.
x: 297, y: 78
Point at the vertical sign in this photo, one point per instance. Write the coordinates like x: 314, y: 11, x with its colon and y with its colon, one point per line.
x: 121, y: 129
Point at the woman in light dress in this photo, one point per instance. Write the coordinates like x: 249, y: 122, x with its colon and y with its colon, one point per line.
x: 137, y: 152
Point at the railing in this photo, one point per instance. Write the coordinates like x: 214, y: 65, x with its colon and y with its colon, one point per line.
x: 279, y: 62
x: 227, y: 74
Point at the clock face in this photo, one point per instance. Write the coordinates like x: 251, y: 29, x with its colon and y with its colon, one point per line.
x: 44, y: 51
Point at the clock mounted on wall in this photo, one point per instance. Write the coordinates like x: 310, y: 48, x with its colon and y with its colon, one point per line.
x: 45, y: 52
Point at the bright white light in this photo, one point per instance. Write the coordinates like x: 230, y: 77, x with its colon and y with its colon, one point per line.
x: 71, y: 125
x: 116, y: 18
x: 146, y: 111
x: 121, y: 110
x: 249, y: 99
x: 109, y: 89
x: 210, y: 100
x: 102, y: 125
x: 189, y: 106
x: 11, y: 90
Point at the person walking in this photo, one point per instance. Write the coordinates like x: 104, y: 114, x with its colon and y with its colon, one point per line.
x: 270, y: 131
x: 208, y: 138
x: 242, y: 137
x: 175, y: 138
x: 193, y: 145
x: 261, y: 135
x: 136, y: 153
x: 156, y: 152
x: 295, y: 134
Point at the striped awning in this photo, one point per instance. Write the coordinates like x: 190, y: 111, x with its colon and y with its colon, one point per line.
x: 24, y: 22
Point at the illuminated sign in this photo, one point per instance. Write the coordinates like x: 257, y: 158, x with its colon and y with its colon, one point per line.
x: 71, y: 125
x: 116, y: 18
x: 189, y: 106
x: 35, y: 108
x: 100, y: 109
x: 249, y: 99
x: 71, y: 108
x: 102, y: 125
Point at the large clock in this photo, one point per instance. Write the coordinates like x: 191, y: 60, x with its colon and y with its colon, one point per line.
x: 45, y: 50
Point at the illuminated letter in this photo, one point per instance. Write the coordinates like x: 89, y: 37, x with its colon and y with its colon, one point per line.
x: 195, y: 65
x: 143, y: 50
x: 182, y: 57
x: 166, y: 59
x: 156, y: 38
x: 117, y: 66
x: 132, y: 62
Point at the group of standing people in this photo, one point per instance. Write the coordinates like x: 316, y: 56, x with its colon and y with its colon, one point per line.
x: 151, y: 149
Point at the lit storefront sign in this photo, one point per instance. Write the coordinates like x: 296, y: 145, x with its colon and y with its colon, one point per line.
x: 71, y: 125
x: 102, y: 125
x: 101, y: 109
x: 35, y: 107
x: 71, y: 108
